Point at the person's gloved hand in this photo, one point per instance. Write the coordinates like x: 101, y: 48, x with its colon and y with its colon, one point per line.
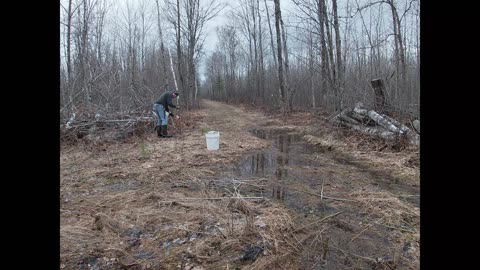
x: 177, y: 117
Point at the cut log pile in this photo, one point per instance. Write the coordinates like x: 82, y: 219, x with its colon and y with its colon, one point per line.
x: 373, y: 123
x: 117, y: 126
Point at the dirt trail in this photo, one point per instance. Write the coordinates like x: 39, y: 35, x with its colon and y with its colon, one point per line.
x: 154, y: 203
x: 229, y: 118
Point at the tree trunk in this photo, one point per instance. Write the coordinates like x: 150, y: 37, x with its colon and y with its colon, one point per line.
x: 399, y: 51
x: 162, y: 48
x: 271, y: 35
x: 311, y: 68
x: 290, y: 92
x: 338, y: 45
x: 278, y: 17
x: 84, y: 57
x: 261, y: 64
x: 255, y: 49
x: 323, y: 49
x: 69, y: 50
x: 173, y: 72
x: 332, y: 74
x: 179, y: 53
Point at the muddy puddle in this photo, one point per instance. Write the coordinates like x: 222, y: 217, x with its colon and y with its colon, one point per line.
x: 293, y: 168
x: 293, y: 172
x: 282, y: 167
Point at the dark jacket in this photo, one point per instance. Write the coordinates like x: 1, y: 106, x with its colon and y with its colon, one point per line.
x: 166, y: 100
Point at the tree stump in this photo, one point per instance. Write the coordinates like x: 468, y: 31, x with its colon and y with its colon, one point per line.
x: 379, y: 91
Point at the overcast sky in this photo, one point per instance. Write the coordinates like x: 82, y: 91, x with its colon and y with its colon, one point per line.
x: 222, y: 18
x: 117, y: 7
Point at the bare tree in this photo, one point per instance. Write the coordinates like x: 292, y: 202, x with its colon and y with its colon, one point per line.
x: 338, y: 49
x: 111, y: 61
x: 399, y: 49
x: 311, y: 59
x: 162, y: 47
x: 261, y: 83
x: 271, y: 35
x: 228, y: 43
x: 278, y: 17
x: 69, y: 13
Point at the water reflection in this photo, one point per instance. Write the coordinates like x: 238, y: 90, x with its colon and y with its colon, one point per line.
x: 278, y: 190
x: 256, y: 164
x: 276, y: 160
x: 283, y: 143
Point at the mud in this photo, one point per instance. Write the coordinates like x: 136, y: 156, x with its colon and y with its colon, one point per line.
x: 294, y: 171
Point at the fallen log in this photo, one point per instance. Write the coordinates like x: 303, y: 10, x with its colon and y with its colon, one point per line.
x: 390, y: 124
x: 382, y: 121
x: 411, y: 134
x: 387, y: 135
x: 358, y: 117
x: 401, y: 126
x: 343, y: 115
x: 361, y: 111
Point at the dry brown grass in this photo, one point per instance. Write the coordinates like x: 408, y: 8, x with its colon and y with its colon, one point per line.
x: 147, y: 203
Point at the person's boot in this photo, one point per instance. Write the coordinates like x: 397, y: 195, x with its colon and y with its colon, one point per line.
x: 159, y: 131
x: 164, y: 131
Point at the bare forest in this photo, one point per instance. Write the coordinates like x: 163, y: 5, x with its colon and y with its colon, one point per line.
x: 119, y: 56
x: 318, y: 107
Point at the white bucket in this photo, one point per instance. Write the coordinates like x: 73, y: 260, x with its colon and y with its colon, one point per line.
x: 213, y: 140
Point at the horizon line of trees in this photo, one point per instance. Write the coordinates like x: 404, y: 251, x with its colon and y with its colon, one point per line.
x: 120, y: 56
x: 324, y: 54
